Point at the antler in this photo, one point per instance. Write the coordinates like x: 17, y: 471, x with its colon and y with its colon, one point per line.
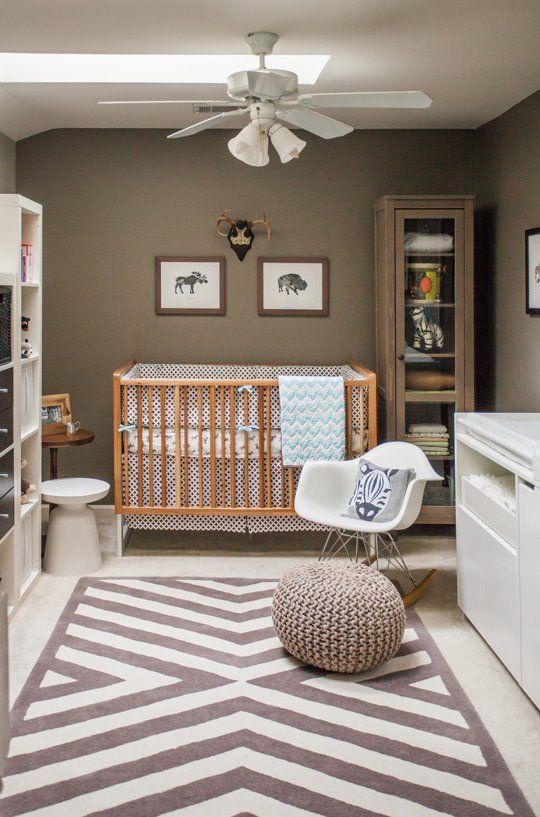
x: 264, y: 221
x: 223, y: 217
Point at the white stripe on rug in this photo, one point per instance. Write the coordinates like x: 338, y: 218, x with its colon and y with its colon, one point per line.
x: 195, y: 598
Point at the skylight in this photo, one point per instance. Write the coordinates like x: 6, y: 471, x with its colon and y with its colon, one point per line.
x: 149, y: 68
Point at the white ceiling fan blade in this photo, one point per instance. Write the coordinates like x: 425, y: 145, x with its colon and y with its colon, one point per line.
x: 207, y: 123
x: 368, y: 99
x: 316, y: 123
x: 220, y: 102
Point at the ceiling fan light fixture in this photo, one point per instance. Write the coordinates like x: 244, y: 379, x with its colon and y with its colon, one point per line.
x: 286, y: 143
x: 250, y: 146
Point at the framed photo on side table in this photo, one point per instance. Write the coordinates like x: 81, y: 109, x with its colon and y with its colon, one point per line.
x: 532, y: 271
x: 293, y: 286
x: 55, y: 412
x: 190, y: 286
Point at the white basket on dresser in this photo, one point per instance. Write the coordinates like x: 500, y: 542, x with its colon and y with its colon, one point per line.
x: 498, y: 550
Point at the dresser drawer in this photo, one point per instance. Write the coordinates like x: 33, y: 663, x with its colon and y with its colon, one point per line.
x: 6, y: 389
x: 7, y: 512
x: 6, y: 428
x: 6, y: 473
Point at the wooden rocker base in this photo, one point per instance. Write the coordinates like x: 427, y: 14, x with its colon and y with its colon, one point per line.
x: 412, y: 597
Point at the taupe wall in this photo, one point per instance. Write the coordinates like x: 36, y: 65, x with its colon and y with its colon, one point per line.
x: 7, y: 164
x: 508, y: 186
x: 114, y: 199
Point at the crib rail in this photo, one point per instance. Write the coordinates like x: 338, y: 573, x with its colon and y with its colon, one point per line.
x: 218, y: 478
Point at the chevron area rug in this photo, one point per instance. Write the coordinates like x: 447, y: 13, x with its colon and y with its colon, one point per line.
x: 173, y: 697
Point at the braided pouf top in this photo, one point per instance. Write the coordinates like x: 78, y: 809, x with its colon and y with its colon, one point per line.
x: 341, y: 618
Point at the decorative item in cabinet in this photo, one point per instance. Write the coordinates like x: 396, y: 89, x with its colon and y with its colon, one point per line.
x: 425, y: 329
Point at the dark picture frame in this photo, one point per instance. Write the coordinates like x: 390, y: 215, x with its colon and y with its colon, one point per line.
x: 532, y: 304
x: 265, y: 308
x: 220, y: 270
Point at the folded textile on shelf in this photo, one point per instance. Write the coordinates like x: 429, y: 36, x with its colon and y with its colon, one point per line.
x: 424, y: 242
x: 427, y: 428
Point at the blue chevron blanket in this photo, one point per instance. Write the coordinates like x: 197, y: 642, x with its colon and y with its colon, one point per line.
x: 312, y: 419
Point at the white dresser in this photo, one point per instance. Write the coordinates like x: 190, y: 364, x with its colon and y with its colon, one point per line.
x: 498, y: 536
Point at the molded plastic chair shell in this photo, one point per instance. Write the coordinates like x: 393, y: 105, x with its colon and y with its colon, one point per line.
x: 325, y: 488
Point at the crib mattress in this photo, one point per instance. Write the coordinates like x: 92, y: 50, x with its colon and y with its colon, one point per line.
x: 240, y: 438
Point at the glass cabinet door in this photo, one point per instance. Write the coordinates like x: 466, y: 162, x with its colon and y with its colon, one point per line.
x: 429, y: 338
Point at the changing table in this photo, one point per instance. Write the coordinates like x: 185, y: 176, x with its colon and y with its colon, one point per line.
x: 498, y: 536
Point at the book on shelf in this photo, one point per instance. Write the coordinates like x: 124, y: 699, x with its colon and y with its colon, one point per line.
x: 27, y: 266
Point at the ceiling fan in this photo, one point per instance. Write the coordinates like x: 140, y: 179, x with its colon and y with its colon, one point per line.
x: 269, y: 95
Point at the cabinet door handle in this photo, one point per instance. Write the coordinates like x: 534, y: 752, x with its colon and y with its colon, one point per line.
x: 401, y: 357
x: 4, y: 516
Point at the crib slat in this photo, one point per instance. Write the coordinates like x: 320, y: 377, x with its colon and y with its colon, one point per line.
x: 260, y: 414
x: 282, y: 474
x: 163, y: 449
x: 200, y: 430
x: 348, y: 417
x: 186, y: 445
x: 291, y: 487
x: 268, y: 427
x: 212, y: 399
x: 246, y: 449
x: 362, y: 420
x: 232, y: 432
x: 150, y: 396
x: 125, y: 486
x: 223, y: 458
x: 139, y: 445
x: 177, y: 451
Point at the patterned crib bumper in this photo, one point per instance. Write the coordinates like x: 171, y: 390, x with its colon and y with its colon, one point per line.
x: 250, y: 435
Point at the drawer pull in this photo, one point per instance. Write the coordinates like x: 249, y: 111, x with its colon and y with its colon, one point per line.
x: 4, y: 430
x: 4, y: 516
x: 4, y: 391
x: 4, y: 476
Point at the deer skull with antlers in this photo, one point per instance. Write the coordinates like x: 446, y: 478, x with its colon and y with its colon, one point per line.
x: 240, y: 235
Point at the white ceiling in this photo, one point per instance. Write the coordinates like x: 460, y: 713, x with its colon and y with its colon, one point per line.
x: 475, y: 58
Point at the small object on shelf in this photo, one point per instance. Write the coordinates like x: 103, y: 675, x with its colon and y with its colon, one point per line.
x: 421, y: 380
x: 25, y: 323
x: 27, y: 265
x: 428, y: 242
x: 26, y: 348
x: 424, y: 281
x: 428, y: 335
x: 27, y: 488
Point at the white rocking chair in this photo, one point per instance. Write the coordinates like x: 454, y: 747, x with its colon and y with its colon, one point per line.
x: 324, y: 491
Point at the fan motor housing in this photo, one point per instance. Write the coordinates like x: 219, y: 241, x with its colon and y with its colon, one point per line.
x: 262, y: 83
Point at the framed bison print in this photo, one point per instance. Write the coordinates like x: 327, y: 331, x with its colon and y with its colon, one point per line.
x: 532, y: 271
x: 293, y: 286
x: 190, y: 286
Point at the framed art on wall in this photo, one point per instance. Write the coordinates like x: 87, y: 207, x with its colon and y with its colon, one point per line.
x: 532, y: 271
x: 293, y: 286
x: 190, y: 286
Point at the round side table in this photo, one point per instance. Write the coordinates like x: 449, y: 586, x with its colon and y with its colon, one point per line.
x: 72, y: 536
x: 62, y: 440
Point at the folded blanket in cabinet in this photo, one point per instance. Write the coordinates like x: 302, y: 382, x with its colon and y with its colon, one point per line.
x: 424, y: 242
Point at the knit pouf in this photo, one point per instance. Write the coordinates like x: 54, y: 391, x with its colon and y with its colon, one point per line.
x: 341, y: 618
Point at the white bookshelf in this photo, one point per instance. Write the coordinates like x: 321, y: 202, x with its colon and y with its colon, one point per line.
x: 20, y: 546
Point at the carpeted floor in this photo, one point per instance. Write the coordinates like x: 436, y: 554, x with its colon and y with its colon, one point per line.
x: 172, y: 696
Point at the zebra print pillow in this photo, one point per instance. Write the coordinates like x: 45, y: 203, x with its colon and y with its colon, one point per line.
x: 379, y: 492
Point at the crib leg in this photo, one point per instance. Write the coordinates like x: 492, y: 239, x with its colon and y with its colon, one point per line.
x: 122, y: 535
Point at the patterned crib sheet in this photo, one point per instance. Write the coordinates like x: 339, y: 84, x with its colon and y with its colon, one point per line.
x: 193, y: 442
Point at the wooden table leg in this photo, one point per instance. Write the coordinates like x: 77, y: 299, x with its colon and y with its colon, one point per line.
x: 54, y: 463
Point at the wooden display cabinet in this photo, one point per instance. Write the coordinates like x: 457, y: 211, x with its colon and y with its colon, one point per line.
x: 425, y: 328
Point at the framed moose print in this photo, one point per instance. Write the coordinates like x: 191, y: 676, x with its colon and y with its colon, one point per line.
x: 190, y: 286
x: 532, y: 271
x: 293, y: 286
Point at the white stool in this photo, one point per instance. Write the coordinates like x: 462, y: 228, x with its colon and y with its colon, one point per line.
x: 72, y: 547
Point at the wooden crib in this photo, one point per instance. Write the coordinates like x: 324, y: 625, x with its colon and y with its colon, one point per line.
x: 198, y: 447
